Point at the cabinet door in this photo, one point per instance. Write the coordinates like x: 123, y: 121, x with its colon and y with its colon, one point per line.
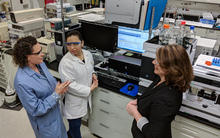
x: 102, y: 130
x: 3, y: 78
x: 111, y: 101
x: 110, y: 123
x: 183, y: 133
x: 109, y: 117
x: 186, y: 128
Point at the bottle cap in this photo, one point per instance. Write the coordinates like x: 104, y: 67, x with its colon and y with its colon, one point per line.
x: 192, y: 27
x: 209, y: 63
x: 166, y: 26
x: 183, y: 22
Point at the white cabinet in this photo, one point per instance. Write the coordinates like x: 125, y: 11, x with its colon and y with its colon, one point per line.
x: 7, y: 70
x: 3, y: 80
x: 186, y: 128
x: 109, y: 118
x: 10, y: 69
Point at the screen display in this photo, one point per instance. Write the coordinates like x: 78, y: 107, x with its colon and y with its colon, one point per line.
x: 132, y: 39
x: 99, y: 36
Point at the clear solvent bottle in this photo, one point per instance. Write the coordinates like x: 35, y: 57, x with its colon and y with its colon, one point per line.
x: 192, y: 33
x: 164, y: 35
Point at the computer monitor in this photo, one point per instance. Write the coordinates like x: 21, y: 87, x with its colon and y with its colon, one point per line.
x: 99, y: 36
x: 132, y: 39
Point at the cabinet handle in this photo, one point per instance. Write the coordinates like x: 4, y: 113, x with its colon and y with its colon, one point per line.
x: 104, y: 101
x: 189, y: 131
x: 104, y: 111
x: 103, y: 125
x: 187, y: 136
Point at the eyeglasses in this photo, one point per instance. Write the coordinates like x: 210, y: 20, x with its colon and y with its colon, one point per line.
x: 156, y: 62
x: 37, y: 53
x: 73, y: 43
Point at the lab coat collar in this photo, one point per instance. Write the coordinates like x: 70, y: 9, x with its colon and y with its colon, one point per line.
x: 85, y: 54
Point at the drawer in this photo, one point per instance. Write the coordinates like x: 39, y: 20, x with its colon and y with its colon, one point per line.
x: 194, y: 128
x: 104, y: 96
x: 2, y: 70
x: 112, y: 112
x: 3, y: 85
x: 192, y: 131
x: 3, y: 80
x: 110, y: 107
x: 120, y: 102
x: 111, y: 118
x: 2, y: 75
x: 100, y: 92
x: 112, y: 121
x: 99, y: 128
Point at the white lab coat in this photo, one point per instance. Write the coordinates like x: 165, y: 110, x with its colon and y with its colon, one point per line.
x: 80, y: 74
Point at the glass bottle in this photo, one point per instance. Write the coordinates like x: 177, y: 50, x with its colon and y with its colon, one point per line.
x: 191, y: 33
x: 164, y: 35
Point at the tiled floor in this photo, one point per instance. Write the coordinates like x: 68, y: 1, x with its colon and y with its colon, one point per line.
x: 15, y: 124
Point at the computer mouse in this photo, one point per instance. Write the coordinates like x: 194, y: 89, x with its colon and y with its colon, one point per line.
x: 130, y: 87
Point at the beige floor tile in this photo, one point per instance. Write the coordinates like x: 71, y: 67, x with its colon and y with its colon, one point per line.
x: 15, y: 124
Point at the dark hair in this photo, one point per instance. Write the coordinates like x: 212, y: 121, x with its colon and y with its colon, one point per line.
x: 22, y: 48
x: 175, y: 60
x: 74, y: 33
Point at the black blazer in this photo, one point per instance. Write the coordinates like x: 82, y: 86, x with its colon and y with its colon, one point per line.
x: 160, y: 106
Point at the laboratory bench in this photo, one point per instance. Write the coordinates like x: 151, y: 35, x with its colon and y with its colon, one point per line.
x: 54, y: 67
x: 110, y: 118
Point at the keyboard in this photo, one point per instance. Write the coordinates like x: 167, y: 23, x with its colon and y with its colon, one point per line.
x: 110, y: 80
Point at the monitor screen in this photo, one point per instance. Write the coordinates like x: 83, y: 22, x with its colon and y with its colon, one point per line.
x: 99, y: 36
x: 132, y: 39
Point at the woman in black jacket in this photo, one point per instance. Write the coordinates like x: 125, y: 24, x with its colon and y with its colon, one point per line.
x: 154, y: 111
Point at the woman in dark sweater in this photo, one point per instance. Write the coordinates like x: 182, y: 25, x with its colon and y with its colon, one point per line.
x: 154, y: 111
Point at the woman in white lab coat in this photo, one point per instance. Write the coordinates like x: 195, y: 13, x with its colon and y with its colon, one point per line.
x: 77, y: 67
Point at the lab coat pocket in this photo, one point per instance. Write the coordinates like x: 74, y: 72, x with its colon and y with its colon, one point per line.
x: 73, y: 101
x: 77, y: 102
x: 49, y: 130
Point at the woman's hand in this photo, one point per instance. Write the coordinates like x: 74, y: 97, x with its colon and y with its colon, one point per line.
x: 94, y: 84
x: 62, y: 87
x: 94, y: 77
x: 132, y: 109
